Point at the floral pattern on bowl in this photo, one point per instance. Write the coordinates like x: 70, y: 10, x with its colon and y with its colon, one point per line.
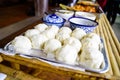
x: 86, y: 24
x: 53, y: 19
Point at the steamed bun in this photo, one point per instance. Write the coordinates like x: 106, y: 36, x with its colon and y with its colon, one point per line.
x: 67, y: 54
x: 21, y: 44
x: 73, y: 42
x: 31, y: 32
x: 38, y: 41
x: 65, y: 30
x: 94, y: 37
x: 78, y: 33
x: 41, y: 27
x: 91, y: 40
x: 52, y: 45
x: 61, y: 37
x: 50, y: 32
x: 63, y: 33
x: 53, y: 28
x: 89, y: 43
x: 92, y: 58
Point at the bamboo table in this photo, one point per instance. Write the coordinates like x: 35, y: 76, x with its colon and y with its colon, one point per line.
x: 43, y: 70
x: 13, y: 74
x: 1, y: 59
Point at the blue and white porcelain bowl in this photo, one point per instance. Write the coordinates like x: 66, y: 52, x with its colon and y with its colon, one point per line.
x: 53, y: 19
x: 84, y: 23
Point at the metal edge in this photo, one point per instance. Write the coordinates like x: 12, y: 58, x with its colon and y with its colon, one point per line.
x: 103, y: 70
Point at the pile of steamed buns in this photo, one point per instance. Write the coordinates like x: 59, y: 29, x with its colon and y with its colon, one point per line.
x: 65, y: 45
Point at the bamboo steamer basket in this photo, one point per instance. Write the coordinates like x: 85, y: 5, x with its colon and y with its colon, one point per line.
x: 45, y: 71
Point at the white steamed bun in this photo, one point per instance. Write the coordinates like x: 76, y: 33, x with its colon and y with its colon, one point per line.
x: 21, y: 44
x: 63, y: 33
x: 53, y: 28
x: 31, y: 32
x: 92, y: 58
x: 38, y: 41
x: 78, y: 33
x: 66, y: 30
x: 94, y: 37
x: 73, y: 42
x: 41, y: 27
x: 91, y: 40
x: 89, y: 43
x: 67, y: 54
x: 61, y: 37
x: 52, y: 45
x: 50, y: 32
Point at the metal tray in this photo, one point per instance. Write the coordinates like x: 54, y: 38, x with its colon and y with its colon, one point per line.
x: 9, y: 50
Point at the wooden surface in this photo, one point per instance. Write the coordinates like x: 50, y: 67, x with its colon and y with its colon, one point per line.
x: 13, y: 74
x: 1, y: 59
x: 112, y: 48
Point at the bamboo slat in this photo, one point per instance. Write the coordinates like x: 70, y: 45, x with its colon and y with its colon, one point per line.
x: 113, y: 35
x: 113, y: 45
x: 111, y: 54
x: 112, y: 59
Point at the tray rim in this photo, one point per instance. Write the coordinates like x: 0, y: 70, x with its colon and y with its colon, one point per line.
x: 61, y: 64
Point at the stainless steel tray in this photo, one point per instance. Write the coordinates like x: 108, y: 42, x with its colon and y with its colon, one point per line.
x: 9, y: 50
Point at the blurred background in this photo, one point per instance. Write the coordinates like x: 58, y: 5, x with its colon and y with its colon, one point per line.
x: 13, y: 11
